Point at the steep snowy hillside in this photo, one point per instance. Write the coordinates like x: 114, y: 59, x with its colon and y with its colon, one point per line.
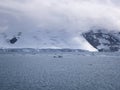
x: 43, y: 39
x: 103, y: 40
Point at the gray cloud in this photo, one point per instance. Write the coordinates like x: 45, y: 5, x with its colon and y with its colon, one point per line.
x: 76, y: 14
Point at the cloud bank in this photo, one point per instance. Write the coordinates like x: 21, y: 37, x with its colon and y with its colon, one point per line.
x: 70, y: 16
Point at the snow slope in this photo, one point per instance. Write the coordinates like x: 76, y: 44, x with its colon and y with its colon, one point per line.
x: 19, y: 33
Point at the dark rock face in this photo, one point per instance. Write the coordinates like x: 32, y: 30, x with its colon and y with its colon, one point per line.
x: 13, y: 40
x: 103, y: 40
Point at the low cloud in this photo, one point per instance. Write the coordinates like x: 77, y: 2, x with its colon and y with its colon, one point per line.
x: 76, y: 14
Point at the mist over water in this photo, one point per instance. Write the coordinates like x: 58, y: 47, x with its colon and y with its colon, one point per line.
x: 54, y: 16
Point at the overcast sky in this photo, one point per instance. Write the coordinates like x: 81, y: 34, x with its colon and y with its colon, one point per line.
x: 76, y: 14
x: 73, y: 16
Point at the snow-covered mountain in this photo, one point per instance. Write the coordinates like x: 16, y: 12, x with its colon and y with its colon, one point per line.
x: 103, y: 40
x: 56, y: 24
x: 22, y: 33
x: 16, y: 33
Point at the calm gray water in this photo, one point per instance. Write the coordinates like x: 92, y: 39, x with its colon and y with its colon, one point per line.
x: 72, y: 72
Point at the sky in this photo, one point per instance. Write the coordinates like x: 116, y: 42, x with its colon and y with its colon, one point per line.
x: 72, y: 17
